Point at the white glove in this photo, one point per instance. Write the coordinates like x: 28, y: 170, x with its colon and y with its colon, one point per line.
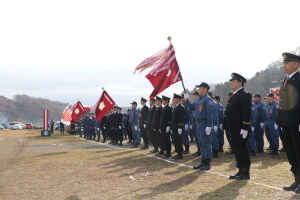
x: 252, y: 128
x: 139, y: 129
x: 244, y: 133
x: 98, y: 129
x: 221, y: 126
x: 144, y: 125
x: 191, y: 126
x: 208, y: 130
x: 186, y: 96
x: 215, y: 128
x: 171, y: 132
x: 135, y: 128
x: 168, y: 129
x: 262, y: 125
x: 103, y: 127
x: 186, y: 127
x: 275, y: 126
x: 159, y: 130
x: 179, y: 131
x: 120, y: 127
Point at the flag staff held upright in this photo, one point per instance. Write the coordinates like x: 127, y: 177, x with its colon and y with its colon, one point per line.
x: 170, y: 38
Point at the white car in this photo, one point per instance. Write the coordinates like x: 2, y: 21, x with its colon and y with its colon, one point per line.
x: 11, y: 124
x: 1, y: 127
x: 16, y: 126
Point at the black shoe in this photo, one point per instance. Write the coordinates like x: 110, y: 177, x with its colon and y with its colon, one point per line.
x: 252, y: 152
x: 274, y: 152
x: 154, y: 151
x: 134, y: 146
x: 243, y: 176
x: 220, y: 150
x: 177, y: 157
x: 282, y: 150
x: 160, y: 153
x: 167, y: 155
x: 195, y: 154
x: 185, y: 152
x: 120, y: 145
x: 259, y: 150
x: 234, y: 176
x: 269, y: 148
x: 293, y: 186
x: 206, y: 164
x: 129, y: 142
x: 230, y: 152
x: 198, y: 167
x: 103, y: 141
x: 144, y: 147
x: 215, y: 154
x: 97, y: 141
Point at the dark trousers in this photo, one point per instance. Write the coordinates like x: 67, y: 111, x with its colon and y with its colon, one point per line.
x: 120, y: 135
x: 282, y: 138
x: 155, y: 138
x: 241, y: 151
x: 292, y: 136
x: 259, y: 134
x: 165, y: 141
x: 129, y: 132
x: 177, y: 139
x: 229, y: 138
x: 103, y: 133
x: 145, y: 135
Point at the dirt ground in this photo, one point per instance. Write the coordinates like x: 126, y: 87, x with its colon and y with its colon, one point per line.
x: 72, y: 168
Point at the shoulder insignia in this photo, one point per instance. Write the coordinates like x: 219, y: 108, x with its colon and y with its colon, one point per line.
x: 210, y: 102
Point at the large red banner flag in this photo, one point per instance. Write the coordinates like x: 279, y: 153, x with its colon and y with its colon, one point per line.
x: 103, y: 105
x: 77, y: 110
x: 66, y: 118
x: 165, y: 72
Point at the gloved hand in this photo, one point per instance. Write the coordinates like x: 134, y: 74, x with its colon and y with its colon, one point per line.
x: 207, y: 130
x: 98, y: 129
x: 144, y: 125
x: 104, y: 127
x: 252, y: 128
x: 186, y: 127
x: 215, y: 128
x: 275, y: 126
x: 191, y: 126
x: 168, y: 129
x: 159, y: 130
x: 186, y: 96
x: 179, y: 131
x: 244, y: 133
x: 221, y: 126
x: 135, y: 128
x: 120, y: 127
x: 262, y: 125
x: 154, y: 130
x: 139, y: 129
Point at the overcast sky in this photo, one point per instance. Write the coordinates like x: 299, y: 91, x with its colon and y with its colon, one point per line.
x: 68, y: 50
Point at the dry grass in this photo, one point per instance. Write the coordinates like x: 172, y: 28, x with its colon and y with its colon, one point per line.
x: 67, y: 167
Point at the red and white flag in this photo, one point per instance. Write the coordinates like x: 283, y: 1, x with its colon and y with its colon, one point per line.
x: 77, y: 110
x: 165, y: 72
x: 66, y: 118
x: 103, y: 105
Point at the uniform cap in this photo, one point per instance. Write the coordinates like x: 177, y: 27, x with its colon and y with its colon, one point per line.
x: 152, y: 100
x: 143, y: 99
x: 257, y: 95
x: 209, y: 94
x: 165, y: 97
x: 289, y: 57
x: 270, y: 95
x: 134, y: 103
x: 217, y: 97
x: 158, y: 98
x: 203, y: 84
x: 236, y: 76
x: 177, y: 96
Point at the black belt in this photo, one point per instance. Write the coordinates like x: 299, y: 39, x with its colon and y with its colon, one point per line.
x: 199, y: 121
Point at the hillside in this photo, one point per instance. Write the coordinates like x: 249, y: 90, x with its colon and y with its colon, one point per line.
x: 23, y: 108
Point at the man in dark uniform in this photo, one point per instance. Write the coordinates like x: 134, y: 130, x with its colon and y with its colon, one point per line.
x: 62, y: 128
x: 102, y: 126
x: 177, y: 125
x: 155, y: 124
x: 164, y: 127
x: 119, y: 126
x: 289, y: 115
x: 152, y: 109
x: 238, y: 114
x: 85, y: 125
x: 143, y: 123
x: 227, y: 132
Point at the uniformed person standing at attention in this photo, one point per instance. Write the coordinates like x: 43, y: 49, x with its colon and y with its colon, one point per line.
x: 155, y: 124
x: 186, y: 122
x: 152, y: 109
x: 203, y: 108
x: 164, y: 127
x: 259, y: 126
x: 238, y: 114
x: 289, y: 115
x: 134, y: 121
x: 143, y: 123
x: 177, y: 125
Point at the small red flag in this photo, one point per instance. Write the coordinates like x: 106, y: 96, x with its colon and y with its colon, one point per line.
x: 66, y: 118
x: 164, y: 74
x: 103, y: 105
x: 77, y: 110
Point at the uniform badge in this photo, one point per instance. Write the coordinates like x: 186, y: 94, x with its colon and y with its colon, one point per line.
x: 253, y: 108
x: 284, y: 56
x: 221, y: 109
x: 210, y: 102
x: 232, y: 75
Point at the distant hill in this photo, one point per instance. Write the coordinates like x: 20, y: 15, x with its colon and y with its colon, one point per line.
x: 23, y: 108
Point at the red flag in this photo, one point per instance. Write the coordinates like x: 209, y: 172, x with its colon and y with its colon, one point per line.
x: 77, y: 110
x: 165, y: 73
x: 66, y: 118
x: 103, y: 105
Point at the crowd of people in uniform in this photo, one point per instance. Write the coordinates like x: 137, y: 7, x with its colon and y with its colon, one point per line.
x: 203, y: 119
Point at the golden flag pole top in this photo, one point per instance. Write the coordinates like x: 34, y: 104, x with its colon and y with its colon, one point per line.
x: 169, y: 38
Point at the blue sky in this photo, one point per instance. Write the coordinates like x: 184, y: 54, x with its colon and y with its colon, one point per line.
x: 69, y: 50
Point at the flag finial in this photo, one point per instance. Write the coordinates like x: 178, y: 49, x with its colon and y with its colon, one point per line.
x: 102, y: 88
x: 169, y: 38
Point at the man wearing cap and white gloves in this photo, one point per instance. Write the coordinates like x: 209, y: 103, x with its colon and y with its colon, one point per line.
x: 237, y: 115
x: 203, y: 108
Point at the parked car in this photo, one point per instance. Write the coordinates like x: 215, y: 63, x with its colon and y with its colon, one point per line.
x: 10, y: 125
x: 1, y: 127
x: 16, y: 126
x: 57, y: 125
x: 23, y: 126
x: 29, y: 126
x: 38, y: 126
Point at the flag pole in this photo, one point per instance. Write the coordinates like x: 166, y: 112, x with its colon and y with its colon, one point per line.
x: 170, y: 38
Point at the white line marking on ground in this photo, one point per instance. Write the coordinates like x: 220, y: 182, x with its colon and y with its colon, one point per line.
x: 169, y: 161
